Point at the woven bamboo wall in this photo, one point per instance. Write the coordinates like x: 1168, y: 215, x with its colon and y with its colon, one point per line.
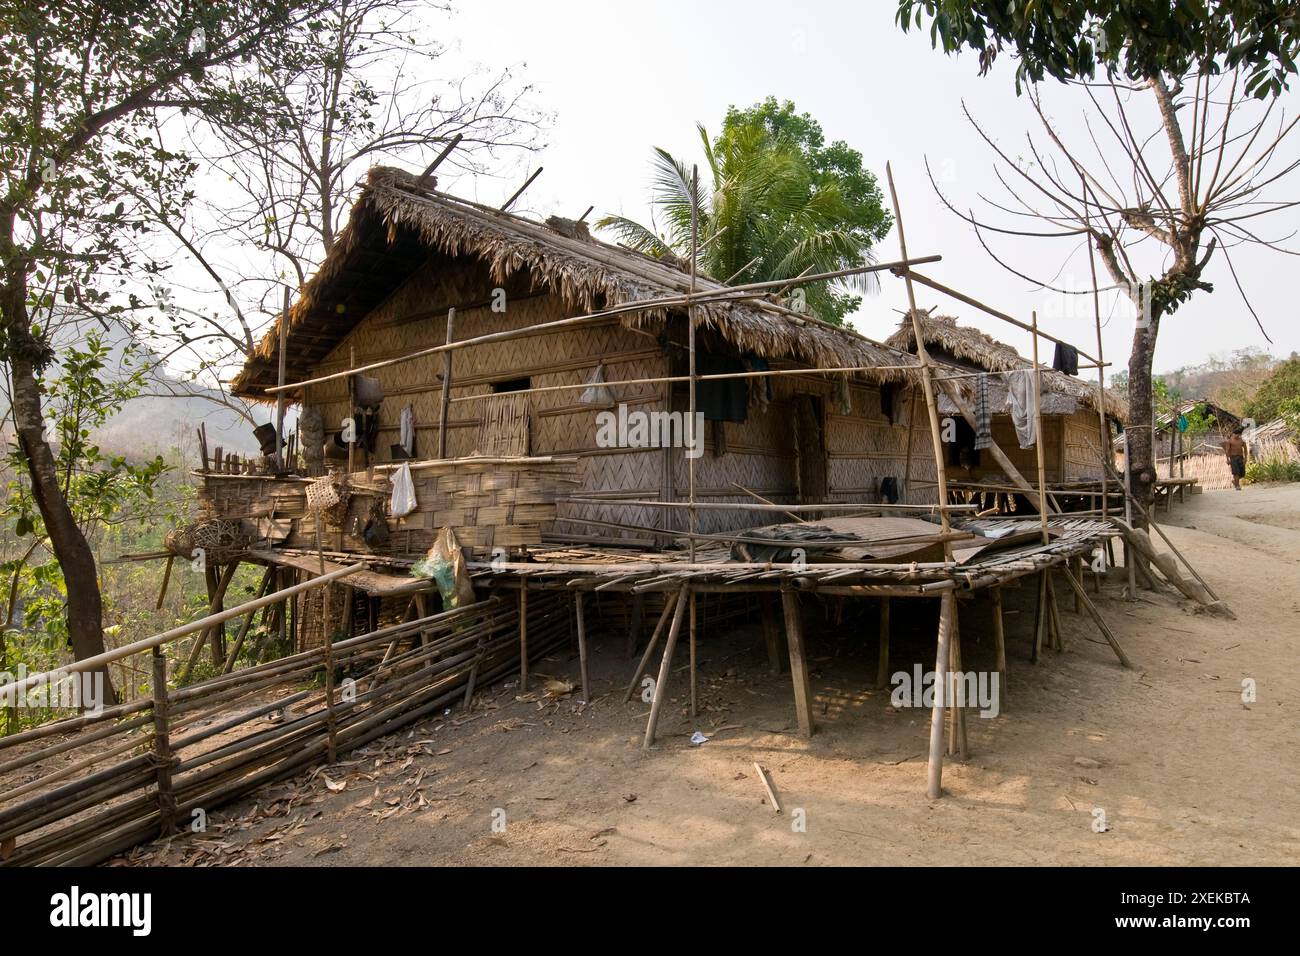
x: 1082, y: 444
x: 560, y: 423
x: 861, y: 447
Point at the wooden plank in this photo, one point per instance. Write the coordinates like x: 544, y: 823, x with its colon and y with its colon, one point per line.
x: 798, y: 662
x: 582, y: 644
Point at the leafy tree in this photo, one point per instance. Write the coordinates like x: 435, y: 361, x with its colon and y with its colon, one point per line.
x: 775, y: 202
x: 367, y: 85
x: 100, y: 489
x: 1163, y: 182
x: 1278, y: 393
x: 1136, y: 39
x: 87, y: 91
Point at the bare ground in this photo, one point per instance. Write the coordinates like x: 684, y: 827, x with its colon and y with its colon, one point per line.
x: 1184, y: 771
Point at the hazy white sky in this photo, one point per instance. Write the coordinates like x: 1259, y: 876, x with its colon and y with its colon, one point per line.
x: 624, y: 77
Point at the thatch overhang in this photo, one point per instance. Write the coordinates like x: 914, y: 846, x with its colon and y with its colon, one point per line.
x: 398, y: 223
x: 968, y: 347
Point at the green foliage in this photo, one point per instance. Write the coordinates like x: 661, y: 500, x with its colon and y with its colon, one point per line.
x: 85, y: 92
x: 1277, y: 393
x: 775, y: 201
x: 101, y: 490
x: 1274, y: 466
x: 1136, y: 39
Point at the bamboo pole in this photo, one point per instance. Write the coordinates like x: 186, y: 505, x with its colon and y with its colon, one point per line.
x: 725, y: 376
x: 446, y: 387
x: 882, y: 663
x: 162, y: 752
x: 446, y: 151
x: 726, y: 293
x: 690, y: 332
x: 1102, y: 626
x: 665, y: 668
x: 934, y: 770
x: 582, y: 644
x: 1130, y: 554
x: 1000, y: 641
x: 523, y: 637
x: 798, y: 662
x: 960, y: 297
x: 911, y: 422
x: 923, y: 355
x: 245, y: 625
x: 167, y: 577
x: 1038, y: 443
x: 747, y: 506
x: 280, y: 380
x: 670, y: 604
x: 693, y: 657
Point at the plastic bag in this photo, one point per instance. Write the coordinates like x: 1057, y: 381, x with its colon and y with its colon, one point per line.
x: 597, y: 394
x: 403, y: 500
x: 445, y: 566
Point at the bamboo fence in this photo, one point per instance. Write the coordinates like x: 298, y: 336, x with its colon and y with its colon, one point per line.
x: 142, y: 770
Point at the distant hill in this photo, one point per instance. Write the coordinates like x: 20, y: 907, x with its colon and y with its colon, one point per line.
x: 157, y: 424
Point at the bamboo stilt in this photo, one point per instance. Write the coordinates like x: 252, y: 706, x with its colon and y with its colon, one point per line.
x: 582, y: 644
x: 694, y: 661
x: 999, y: 641
x: 934, y: 770
x: 665, y: 668
x: 882, y: 662
x: 669, y: 605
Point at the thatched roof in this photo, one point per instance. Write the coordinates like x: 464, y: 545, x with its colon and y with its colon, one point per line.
x: 1278, y: 430
x: 398, y: 222
x: 965, y: 345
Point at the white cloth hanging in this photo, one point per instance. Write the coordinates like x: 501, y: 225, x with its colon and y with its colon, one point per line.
x: 1020, y: 398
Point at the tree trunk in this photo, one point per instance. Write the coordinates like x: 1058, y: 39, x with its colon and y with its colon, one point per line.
x: 80, y: 576
x: 1141, y: 444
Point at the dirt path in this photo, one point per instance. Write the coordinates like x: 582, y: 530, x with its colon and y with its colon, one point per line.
x: 1185, y: 772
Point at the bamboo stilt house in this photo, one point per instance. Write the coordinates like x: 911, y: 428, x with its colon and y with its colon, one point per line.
x: 410, y: 254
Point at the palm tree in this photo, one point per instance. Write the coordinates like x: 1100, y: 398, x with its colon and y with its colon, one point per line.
x: 764, y: 216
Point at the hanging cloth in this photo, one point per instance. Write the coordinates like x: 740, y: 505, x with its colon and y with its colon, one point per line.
x: 983, y: 423
x: 1066, y: 359
x: 406, y: 431
x: 889, y: 490
x: 721, y: 399
x: 843, y: 398
x: 1020, y: 399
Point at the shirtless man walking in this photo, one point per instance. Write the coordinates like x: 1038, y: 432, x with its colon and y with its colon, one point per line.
x: 1235, y: 449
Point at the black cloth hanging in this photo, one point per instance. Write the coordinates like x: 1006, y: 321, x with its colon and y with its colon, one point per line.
x: 889, y: 490
x: 1066, y: 359
x: 724, y: 399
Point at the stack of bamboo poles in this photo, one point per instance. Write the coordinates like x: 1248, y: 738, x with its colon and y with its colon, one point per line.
x: 143, y: 769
